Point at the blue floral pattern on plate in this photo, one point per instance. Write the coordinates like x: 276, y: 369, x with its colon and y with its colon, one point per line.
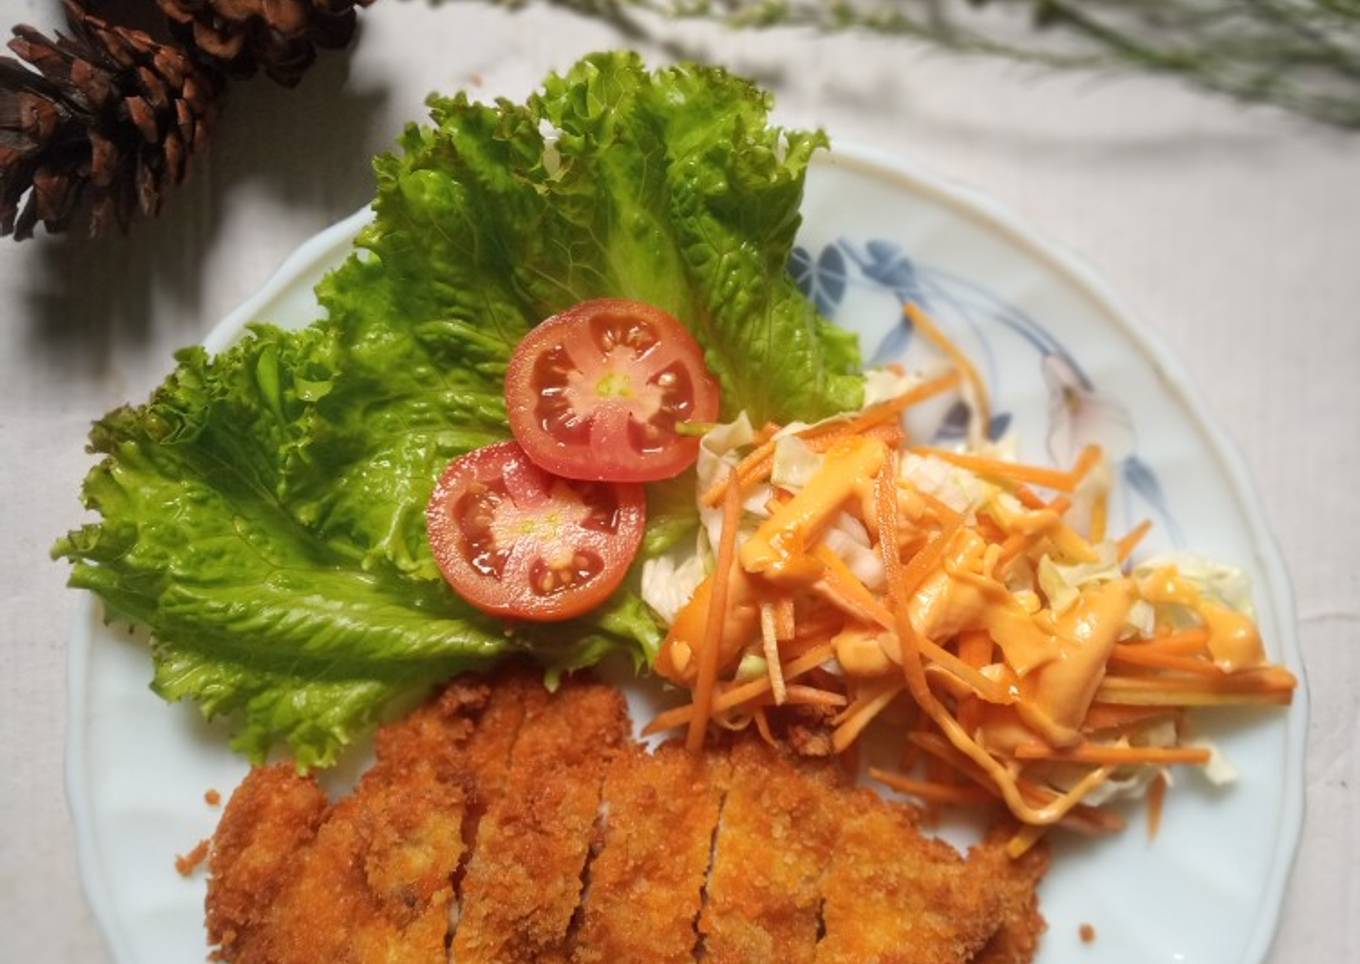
x: 1079, y: 414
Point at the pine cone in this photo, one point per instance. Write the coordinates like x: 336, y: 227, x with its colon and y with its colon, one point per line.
x: 103, y: 127
x: 279, y: 36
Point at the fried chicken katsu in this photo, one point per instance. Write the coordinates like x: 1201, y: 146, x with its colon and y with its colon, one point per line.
x: 523, y: 883
x: 295, y: 880
x: 646, y: 884
x: 776, y: 839
x: 1017, y: 939
x: 504, y: 824
x: 893, y: 896
x: 272, y: 817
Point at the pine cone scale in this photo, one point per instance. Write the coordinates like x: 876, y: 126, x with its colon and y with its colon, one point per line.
x: 148, y: 197
x: 92, y: 85
x: 288, y: 17
x: 38, y: 117
x: 103, y: 160
x: 95, y: 125
x: 44, y: 56
x: 155, y: 91
x: 53, y: 196
x: 279, y: 37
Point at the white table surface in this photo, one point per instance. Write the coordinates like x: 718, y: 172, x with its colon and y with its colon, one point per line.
x: 1235, y: 234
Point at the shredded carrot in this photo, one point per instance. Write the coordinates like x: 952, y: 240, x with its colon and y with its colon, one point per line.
x: 1201, y: 697
x: 770, y: 645
x: 812, y: 696
x: 1270, y: 679
x: 878, y: 414
x: 717, y: 615
x: 784, y: 626
x: 819, y: 625
x: 1062, y: 481
x: 1102, y: 716
x: 1019, y: 542
x: 928, y: 559
x: 744, y: 693
x: 740, y: 477
x: 945, y: 590
x: 1027, y: 496
x: 1135, y: 655
x: 940, y: 510
x: 932, y: 333
x: 858, y: 716
x: 759, y: 462
x: 899, y: 589
x: 989, y: 530
x: 1195, y: 698
x: 1100, y: 517
x: 767, y: 432
x: 1124, y: 548
x: 933, y: 792
x: 975, y: 649
x: 763, y: 725
x: 1089, y: 820
x: 1116, y: 755
x: 940, y: 772
x: 844, y: 589
x: 889, y: 435
x: 1156, y: 798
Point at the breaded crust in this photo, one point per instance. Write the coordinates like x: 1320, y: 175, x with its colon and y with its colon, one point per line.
x: 523, y: 881
x: 776, y: 836
x: 376, y: 883
x: 295, y: 880
x: 503, y: 824
x: 270, y: 819
x: 893, y: 896
x: 1016, y: 941
x: 646, y: 884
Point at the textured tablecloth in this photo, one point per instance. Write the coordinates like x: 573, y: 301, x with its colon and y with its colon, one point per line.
x: 1235, y: 234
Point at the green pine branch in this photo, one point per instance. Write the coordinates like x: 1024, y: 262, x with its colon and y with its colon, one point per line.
x: 1301, y: 55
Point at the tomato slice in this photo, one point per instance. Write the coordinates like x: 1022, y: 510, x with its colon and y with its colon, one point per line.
x: 516, y: 541
x: 596, y: 391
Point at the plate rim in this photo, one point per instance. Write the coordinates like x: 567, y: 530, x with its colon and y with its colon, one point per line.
x: 968, y: 202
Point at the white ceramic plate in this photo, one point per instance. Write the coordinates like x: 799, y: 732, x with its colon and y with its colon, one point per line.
x: 1066, y: 365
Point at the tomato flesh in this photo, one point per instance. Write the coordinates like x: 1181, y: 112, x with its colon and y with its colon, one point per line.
x: 597, y: 391
x: 517, y: 541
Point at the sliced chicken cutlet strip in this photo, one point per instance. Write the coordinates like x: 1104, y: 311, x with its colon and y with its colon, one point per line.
x: 523, y: 881
x: 893, y: 896
x: 466, y: 735
x: 372, y: 880
x: 646, y: 883
x: 1016, y: 941
x: 376, y: 884
x: 776, y: 837
x: 270, y: 819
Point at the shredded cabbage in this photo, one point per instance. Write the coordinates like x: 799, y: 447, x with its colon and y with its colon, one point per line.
x: 1062, y: 584
x: 884, y: 384
x: 956, y: 487
x: 669, y: 580
x: 794, y: 462
x: 1228, y: 585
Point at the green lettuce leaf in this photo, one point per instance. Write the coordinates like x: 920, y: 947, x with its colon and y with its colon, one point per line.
x: 263, y: 513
